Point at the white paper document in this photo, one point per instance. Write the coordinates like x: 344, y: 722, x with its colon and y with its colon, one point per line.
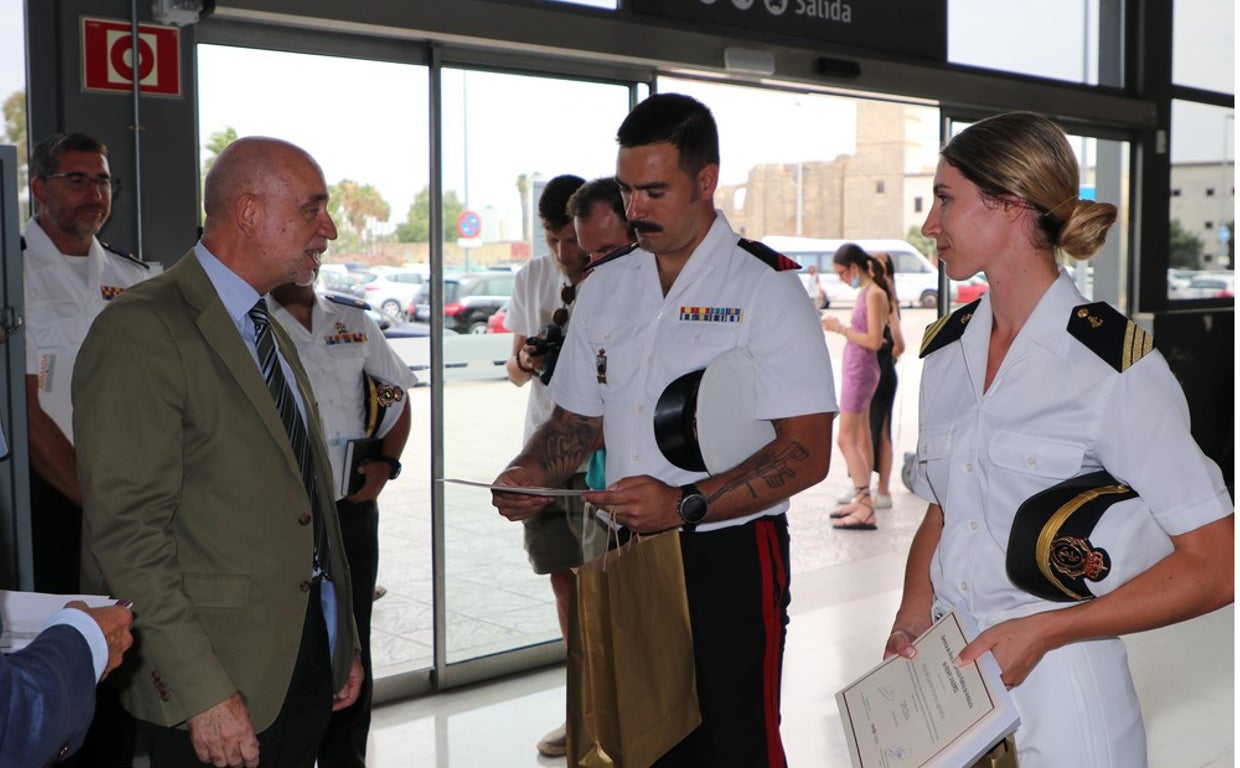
x: 25, y: 613
x: 518, y: 489
x: 926, y: 712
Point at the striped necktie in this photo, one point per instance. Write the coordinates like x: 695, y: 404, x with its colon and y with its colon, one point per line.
x: 278, y: 387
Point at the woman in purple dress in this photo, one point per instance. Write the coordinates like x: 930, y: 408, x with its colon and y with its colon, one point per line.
x: 859, y: 380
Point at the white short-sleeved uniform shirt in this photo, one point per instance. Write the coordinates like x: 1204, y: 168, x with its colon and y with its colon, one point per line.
x: 725, y: 297
x: 535, y: 297
x: 1055, y: 410
x: 344, y: 343
x: 64, y: 295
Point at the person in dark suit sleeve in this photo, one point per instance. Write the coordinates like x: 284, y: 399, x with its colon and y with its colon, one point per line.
x: 47, y: 689
x: 197, y: 505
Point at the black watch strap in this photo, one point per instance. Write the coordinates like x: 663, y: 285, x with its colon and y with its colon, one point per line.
x: 391, y: 462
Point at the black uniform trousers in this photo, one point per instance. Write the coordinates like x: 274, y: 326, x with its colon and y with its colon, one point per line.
x: 737, y: 584
x: 344, y: 746
x: 292, y: 741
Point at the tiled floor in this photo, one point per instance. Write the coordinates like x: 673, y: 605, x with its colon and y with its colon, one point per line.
x: 845, y: 589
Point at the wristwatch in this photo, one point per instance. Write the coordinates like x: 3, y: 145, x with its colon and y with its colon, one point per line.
x: 391, y: 462
x: 692, y: 507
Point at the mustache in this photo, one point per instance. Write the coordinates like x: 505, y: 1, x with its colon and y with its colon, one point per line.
x: 641, y: 225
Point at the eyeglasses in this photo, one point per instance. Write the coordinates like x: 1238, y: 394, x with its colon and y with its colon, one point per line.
x: 107, y: 185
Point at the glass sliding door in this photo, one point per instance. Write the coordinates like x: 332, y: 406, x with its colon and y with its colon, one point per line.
x: 365, y: 122
x: 504, y: 136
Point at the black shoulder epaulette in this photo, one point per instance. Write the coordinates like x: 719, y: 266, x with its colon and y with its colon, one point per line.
x: 623, y: 250
x: 346, y: 301
x: 1109, y: 335
x: 772, y: 258
x: 125, y: 255
x: 947, y: 329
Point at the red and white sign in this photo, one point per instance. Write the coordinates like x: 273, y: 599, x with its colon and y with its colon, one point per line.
x: 108, y: 60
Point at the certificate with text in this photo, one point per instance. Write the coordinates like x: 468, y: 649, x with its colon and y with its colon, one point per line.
x: 926, y: 712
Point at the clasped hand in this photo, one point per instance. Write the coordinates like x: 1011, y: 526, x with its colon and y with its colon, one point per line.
x: 642, y: 504
x: 1018, y: 646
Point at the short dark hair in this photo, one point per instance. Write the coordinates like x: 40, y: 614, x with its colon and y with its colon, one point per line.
x: 553, y: 202
x: 45, y: 158
x: 603, y: 190
x: 676, y: 119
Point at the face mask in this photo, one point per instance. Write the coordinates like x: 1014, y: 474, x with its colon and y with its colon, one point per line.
x: 855, y: 282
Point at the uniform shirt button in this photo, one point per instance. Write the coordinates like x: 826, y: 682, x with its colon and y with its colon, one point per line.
x: 1031, y: 461
x: 304, y: 520
x: 973, y: 524
x: 968, y: 467
x: 964, y: 587
x: 641, y: 409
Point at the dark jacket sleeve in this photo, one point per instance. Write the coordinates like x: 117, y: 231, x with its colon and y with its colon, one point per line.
x: 47, y: 698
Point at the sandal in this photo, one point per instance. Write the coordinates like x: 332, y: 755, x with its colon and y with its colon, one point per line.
x: 857, y: 524
x: 854, y: 520
x: 850, y: 508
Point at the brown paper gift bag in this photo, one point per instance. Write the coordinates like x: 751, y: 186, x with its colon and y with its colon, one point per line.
x: 632, y: 690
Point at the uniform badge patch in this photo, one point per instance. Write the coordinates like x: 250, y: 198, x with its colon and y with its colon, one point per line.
x: 712, y: 314
x: 344, y: 336
x: 1109, y: 335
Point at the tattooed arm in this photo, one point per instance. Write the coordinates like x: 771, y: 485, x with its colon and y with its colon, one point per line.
x: 797, y: 458
x: 552, y: 455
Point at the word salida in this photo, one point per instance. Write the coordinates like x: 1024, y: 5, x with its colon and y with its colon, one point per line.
x: 834, y: 10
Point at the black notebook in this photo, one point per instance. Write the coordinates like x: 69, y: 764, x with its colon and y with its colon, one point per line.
x: 356, y: 453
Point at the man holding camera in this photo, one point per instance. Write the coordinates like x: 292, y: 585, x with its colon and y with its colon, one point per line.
x: 563, y: 534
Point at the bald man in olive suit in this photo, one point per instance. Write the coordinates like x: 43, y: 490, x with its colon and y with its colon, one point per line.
x: 197, y: 506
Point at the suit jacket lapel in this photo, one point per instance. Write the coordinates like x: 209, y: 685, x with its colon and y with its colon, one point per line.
x: 221, y: 335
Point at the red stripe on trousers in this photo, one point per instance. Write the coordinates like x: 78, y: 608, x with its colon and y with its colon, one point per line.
x: 774, y: 583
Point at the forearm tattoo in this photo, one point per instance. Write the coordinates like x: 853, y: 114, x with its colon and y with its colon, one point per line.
x: 564, y: 442
x: 768, y: 469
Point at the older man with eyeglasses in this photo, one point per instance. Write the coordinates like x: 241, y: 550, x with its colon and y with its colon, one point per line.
x: 70, y: 276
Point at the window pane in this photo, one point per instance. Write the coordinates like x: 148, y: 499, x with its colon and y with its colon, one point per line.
x: 1203, y: 180
x: 244, y: 92
x: 1049, y: 38
x: 504, y: 136
x: 13, y: 92
x: 1203, y: 45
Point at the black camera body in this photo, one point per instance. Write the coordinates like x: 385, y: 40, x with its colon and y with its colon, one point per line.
x: 547, y: 345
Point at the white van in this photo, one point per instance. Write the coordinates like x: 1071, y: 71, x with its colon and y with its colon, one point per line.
x: 917, y: 280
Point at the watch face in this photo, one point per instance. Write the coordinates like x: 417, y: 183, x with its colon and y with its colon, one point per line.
x: 693, y: 508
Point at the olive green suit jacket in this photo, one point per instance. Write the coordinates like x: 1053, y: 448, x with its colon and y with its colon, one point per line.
x: 194, y: 505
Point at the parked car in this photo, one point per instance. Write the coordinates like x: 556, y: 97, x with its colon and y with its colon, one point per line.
x: 389, y: 289
x: 1208, y: 285
x: 917, y: 280
x: 468, y: 300
x: 495, y: 323
x: 967, y: 291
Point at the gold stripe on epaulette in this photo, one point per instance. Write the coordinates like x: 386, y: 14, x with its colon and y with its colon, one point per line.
x: 932, y: 330
x: 1137, y: 344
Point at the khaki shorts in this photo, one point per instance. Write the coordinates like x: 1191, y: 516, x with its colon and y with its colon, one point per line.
x: 565, y: 533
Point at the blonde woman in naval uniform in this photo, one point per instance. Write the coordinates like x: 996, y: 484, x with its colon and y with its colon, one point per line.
x: 1021, y: 390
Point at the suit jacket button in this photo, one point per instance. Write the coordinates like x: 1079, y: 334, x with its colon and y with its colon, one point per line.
x: 63, y: 751
x: 305, y: 585
x: 155, y: 676
x: 304, y: 520
x: 163, y: 696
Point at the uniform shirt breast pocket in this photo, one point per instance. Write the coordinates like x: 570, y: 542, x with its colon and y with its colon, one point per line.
x: 1038, y: 456
x: 933, y: 449
x: 617, y: 355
